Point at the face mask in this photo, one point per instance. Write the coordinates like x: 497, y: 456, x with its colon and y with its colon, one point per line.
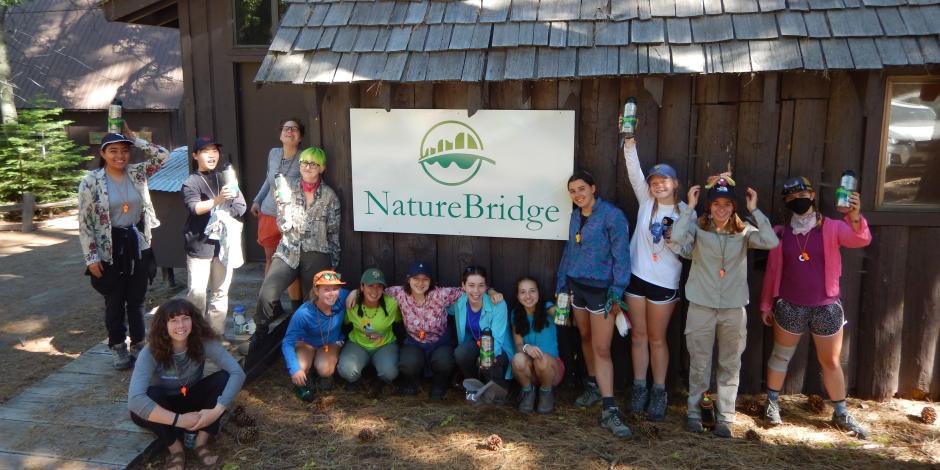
x: 799, y: 205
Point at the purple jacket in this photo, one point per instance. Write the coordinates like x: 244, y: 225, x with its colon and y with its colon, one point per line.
x: 602, y: 259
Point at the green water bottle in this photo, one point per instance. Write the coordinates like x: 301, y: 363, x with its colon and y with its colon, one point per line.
x: 487, y: 352
x: 115, y: 121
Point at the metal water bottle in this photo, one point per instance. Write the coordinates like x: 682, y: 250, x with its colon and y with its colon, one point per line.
x: 562, y: 309
x: 628, y: 118
x: 707, y: 406
x: 189, y: 439
x: 229, y: 179
x: 281, y: 189
x: 115, y: 121
x: 487, y: 352
x: 847, y: 186
x: 667, y: 227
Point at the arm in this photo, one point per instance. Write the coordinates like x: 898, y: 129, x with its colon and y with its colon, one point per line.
x: 332, y: 230
x: 156, y: 154
x: 294, y: 332
x: 236, y: 376
x: 683, y: 232
x: 562, y: 276
x: 237, y: 205
x: 618, y: 231
x: 86, y: 222
x: 854, y: 233
x: 285, y: 219
x: 765, y: 238
x: 192, y: 197
x: 635, y: 171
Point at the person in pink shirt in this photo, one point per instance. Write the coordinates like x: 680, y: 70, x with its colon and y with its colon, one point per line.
x: 801, y: 292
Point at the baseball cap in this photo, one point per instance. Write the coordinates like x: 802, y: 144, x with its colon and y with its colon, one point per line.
x: 722, y: 187
x: 372, y: 276
x: 662, y: 169
x: 327, y: 277
x: 203, y: 142
x: 113, y: 139
x: 419, y: 267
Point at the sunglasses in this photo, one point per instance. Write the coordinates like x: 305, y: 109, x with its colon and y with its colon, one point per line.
x: 327, y: 277
x: 717, y: 182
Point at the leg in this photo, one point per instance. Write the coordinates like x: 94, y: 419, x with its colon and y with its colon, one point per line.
x: 268, y: 257
x: 732, y: 338
x: 352, y: 360
x: 658, y: 316
x: 277, y: 279
x: 410, y: 362
x: 205, y: 394
x: 325, y: 361
x: 442, y: 365
x: 602, y: 331
x: 305, y: 356
x: 385, y: 360
x: 465, y: 355
x: 197, y: 271
x: 583, y: 321
x: 784, y: 346
x: 310, y: 264
x: 700, y: 338
x: 639, y: 346
x: 522, y: 369
x: 114, y: 312
x: 546, y: 370
x: 136, y: 295
x: 828, y: 351
x: 220, y: 278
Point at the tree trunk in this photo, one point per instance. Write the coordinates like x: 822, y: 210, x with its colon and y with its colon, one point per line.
x: 7, y: 104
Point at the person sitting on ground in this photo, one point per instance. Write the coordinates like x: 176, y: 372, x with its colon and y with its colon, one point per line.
x: 536, y: 341
x: 314, y: 335
x: 168, y: 394
x: 373, y: 319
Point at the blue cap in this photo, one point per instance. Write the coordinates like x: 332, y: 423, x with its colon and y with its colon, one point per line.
x: 114, y: 139
x: 662, y: 169
x: 419, y: 267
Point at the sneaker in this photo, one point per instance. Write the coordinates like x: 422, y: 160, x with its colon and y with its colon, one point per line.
x: 527, y: 401
x: 722, y: 429
x: 589, y: 397
x: 656, y: 409
x: 135, y: 349
x: 546, y: 402
x: 847, y: 423
x: 610, y: 420
x: 772, y: 413
x: 304, y: 393
x: 639, y: 398
x: 472, y: 388
x: 120, y: 359
x: 694, y: 425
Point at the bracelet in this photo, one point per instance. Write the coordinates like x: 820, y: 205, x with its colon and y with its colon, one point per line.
x: 175, y: 419
x: 523, y: 347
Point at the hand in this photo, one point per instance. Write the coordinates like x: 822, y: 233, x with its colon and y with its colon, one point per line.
x: 207, y: 417
x: 351, y: 299
x: 188, y: 421
x: 227, y: 193
x: 495, y: 296
x: 751, y: 196
x: 299, y: 378
x: 767, y: 317
x: 128, y: 132
x: 855, y: 207
x: 96, y: 270
x: 693, y: 194
x: 533, y: 351
x: 255, y: 209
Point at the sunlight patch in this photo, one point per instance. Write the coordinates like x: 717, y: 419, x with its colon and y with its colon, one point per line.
x: 42, y: 345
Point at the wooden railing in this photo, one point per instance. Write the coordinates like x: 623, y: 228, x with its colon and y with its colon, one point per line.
x: 29, y: 206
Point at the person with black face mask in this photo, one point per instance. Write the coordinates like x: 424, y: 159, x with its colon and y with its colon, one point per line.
x: 801, y: 292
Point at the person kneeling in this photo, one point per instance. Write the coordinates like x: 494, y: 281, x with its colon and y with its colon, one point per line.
x: 314, y: 336
x: 537, y: 342
x: 168, y: 394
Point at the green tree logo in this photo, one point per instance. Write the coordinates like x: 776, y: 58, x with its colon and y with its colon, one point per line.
x: 452, y: 153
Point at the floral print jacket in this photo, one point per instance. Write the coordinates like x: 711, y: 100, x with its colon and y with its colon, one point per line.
x: 94, y: 218
x: 312, y: 229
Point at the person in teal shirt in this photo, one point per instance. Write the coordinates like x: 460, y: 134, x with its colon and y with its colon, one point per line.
x: 536, y: 341
x: 473, y: 313
x: 373, y: 320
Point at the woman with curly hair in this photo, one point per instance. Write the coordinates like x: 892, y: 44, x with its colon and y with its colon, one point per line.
x: 168, y: 394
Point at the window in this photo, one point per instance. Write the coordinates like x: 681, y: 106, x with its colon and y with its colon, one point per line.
x: 255, y: 21
x: 910, y: 168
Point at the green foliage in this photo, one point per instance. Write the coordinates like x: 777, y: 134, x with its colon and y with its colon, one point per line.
x: 37, y: 156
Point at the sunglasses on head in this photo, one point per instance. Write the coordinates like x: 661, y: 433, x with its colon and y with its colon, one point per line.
x: 328, y: 277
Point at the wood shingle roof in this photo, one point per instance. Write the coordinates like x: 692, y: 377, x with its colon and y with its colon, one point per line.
x: 323, y: 41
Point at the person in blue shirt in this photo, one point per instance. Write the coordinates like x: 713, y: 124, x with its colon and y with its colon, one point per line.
x: 473, y: 313
x: 314, y: 336
x: 536, y: 341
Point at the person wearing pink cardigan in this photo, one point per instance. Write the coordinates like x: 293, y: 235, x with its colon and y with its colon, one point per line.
x: 801, y: 292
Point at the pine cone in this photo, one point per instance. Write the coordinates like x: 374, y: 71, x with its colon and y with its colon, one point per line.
x: 752, y: 435
x: 246, y: 436
x: 815, y: 404
x: 928, y: 415
x: 368, y: 435
x: 751, y: 407
x: 242, y: 418
x: 494, y: 443
x: 647, y: 430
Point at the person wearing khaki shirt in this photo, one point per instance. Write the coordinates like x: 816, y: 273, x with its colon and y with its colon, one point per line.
x: 717, y: 291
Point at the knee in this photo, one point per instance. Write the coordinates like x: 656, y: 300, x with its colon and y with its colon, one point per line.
x: 347, y: 370
x: 585, y: 335
x: 657, y: 341
x: 602, y: 351
x: 326, y: 369
x: 639, y: 338
x: 520, y: 362
x: 464, y: 354
x: 830, y: 363
x: 780, y: 357
x: 387, y: 373
x: 544, y: 364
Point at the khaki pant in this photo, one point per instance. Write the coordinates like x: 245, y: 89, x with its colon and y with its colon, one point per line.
x: 209, y: 277
x: 701, y: 327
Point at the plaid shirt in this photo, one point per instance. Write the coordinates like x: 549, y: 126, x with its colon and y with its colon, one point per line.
x: 315, y: 228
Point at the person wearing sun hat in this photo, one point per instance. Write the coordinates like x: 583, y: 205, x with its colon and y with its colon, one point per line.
x: 801, y: 293
x: 314, y: 335
x: 373, y: 319
x: 717, y: 292
x: 309, y: 220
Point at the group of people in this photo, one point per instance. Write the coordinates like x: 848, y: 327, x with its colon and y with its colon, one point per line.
x: 421, y: 330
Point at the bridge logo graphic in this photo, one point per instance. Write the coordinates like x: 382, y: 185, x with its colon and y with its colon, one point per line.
x: 451, y: 153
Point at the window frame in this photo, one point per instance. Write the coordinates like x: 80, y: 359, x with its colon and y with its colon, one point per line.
x: 275, y: 24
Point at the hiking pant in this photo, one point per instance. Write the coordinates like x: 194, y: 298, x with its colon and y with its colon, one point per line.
x: 353, y: 358
x: 202, y: 395
x: 467, y: 355
x: 280, y: 276
x: 209, y: 276
x: 412, y: 362
x: 125, y: 302
x: 702, y: 326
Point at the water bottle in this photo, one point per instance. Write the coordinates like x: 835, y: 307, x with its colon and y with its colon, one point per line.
x: 189, y: 439
x: 238, y: 316
x: 628, y: 118
x: 229, y: 179
x: 115, y: 122
x: 707, y: 405
x: 487, y: 353
x: 281, y: 189
x: 847, y: 186
x: 562, y: 309
x: 667, y: 227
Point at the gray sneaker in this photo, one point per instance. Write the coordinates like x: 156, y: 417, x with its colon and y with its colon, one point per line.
x: 527, y: 401
x: 694, y: 425
x: 120, y: 359
x: 639, y: 398
x: 847, y: 423
x: 656, y: 410
x: 772, y: 413
x: 135, y: 349
x: 546, y: 402
x: 610, y: 420
x: 589, y: 397
x: 722, y: 429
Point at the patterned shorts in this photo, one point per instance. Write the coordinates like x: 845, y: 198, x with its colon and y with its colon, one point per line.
x: 822, y: 320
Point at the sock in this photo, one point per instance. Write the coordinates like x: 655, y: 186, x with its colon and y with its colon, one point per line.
x: 639, y: 383
x: 609, y: 402
x: 659, y: 387
x: 545, y: 389
x: 773, y: 395
x: 839, y: 407
x: 527, y: 388
x: 591, y: 380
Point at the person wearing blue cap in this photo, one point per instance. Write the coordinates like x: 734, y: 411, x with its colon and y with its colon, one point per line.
x: 654, y: 283
x: 115, y: 217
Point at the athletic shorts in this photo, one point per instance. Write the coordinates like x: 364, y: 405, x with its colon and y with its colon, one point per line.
x: 268, y: 233
x: 592, y: 299
x: 654, y: 294
x: 822, y: 320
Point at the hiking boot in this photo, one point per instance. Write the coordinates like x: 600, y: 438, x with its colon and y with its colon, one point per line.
x: 772, y: 413
x: 694, y: 425
x: 527, y: 401
x: 639, y: 398
x: 135, y: 349
x: 120, y: 359
x: 589, y: 397
x: 722, y: 429
x: 610, y: 420
x: 656, y: 409
x: 304, y: 393
x: 546, y: 402
x: 325, y: 384
x: 847, y: 423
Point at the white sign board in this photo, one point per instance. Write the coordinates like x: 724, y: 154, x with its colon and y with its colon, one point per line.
x: 435, y: 171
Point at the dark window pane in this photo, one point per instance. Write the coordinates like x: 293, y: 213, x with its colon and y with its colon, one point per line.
x: 912, y: 147
x: 253, y: 25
